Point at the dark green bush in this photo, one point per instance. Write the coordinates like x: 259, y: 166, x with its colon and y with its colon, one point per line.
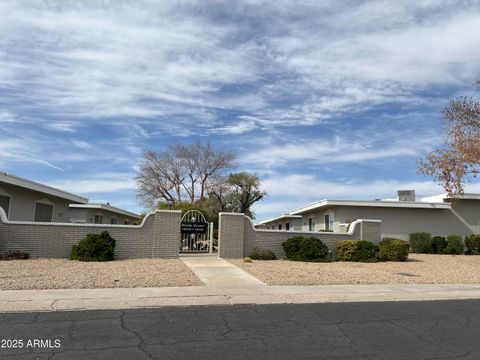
x: 346, y: 249
x: 393, y: 250
x: 300, y: 248
x: 94, y: 247
x: 454, y: 245
x: 357, y: 250
x: 262, y: 254
x: 366, y: 252
x: 421, y: 242
x: 14, y: 255
x: 439, y: 243
x: 472, y: 244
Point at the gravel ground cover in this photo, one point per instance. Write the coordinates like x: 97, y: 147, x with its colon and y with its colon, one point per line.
x: 66, y: 274
x: 419, y: 269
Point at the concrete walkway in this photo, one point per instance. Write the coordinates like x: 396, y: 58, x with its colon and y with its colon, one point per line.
x: 225, y: 285
x: 219, y: 274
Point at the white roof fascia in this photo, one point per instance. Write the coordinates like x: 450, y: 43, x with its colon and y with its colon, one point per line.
x: 32, y: 185
x: 390, y: 204
x: 443, y: 197
x: 281, y: 217
x: 105, y: 207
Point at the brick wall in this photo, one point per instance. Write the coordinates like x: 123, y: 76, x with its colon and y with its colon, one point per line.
x: 157, y: 237
x: 237, y: 241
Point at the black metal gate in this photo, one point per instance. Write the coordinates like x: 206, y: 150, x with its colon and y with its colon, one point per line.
x: 196, y: 233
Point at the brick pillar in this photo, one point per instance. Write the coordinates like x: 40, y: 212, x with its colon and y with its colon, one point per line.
x: 166, y: 234
x: 231, y: 235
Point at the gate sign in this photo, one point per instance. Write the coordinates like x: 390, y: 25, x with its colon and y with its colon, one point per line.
x: 193, y: 227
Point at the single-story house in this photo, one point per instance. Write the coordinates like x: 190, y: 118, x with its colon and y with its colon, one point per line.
x: 101, y: 214
x: 26, y: 200
x: 400, y: 217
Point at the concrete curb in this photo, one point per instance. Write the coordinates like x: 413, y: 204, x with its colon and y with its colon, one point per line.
x: 119, y: 298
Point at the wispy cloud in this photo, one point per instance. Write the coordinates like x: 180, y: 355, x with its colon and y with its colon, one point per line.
x: 293, y: 87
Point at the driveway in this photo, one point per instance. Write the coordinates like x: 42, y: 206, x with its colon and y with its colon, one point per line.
x: 393, y: 330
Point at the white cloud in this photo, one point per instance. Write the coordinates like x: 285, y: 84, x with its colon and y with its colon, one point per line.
x: 95, y: 185
x: 171, y: 63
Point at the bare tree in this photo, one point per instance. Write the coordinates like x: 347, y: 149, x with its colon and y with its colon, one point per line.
x: 459, y: 160
x: 182, y: 172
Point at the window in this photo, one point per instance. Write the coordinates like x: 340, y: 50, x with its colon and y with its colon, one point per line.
x: 98, y: 219
x: 279, y: 226
x: 287, y: 226
x: 114, y: 221
x: 43, y: 212
x: 5, y: 203
x: 328, y: 221
x: 311, y: 224
x: 127, y: 222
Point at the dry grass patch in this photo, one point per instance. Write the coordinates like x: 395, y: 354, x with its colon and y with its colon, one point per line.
x: 419, y: 269
x: 66, y: 274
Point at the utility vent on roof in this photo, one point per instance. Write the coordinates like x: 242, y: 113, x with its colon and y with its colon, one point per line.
x: 406, y: 195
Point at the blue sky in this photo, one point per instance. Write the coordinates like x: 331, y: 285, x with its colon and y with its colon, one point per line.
x: 321, y: 99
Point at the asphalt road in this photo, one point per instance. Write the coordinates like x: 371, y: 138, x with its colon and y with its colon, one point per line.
x: 384, y: 330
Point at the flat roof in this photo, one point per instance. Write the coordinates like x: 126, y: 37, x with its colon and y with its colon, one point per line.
x: 281, y: 217
x: 106, y: 207
x: 32, y: 185
x: 369, y: 203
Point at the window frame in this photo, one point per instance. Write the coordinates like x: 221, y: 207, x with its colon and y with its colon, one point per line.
x: 7, y: 212
x: 43, y: 202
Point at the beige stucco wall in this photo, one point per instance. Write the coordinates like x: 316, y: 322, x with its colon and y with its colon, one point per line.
x: 295, y: 225
x: 22, y: 204
x: 400, y: 222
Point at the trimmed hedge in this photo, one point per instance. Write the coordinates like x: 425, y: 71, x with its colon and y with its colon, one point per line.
x: 472, y: 244
x: 262, y: 254
x: 94, y: 247
x: 357, y: 250
x: 421, y: 242
x: 454, y: 245
x: 393, y: 250
x: 299, y: 248
x: 439, y: 243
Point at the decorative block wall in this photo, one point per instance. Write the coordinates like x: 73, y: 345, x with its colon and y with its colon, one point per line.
x: 157, y: 237
x: 238, y: 237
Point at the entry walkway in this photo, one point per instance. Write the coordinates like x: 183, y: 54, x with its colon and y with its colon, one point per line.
x: 219, y: 274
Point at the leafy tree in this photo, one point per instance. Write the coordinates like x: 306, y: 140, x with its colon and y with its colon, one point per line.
x: 458, y: 161
x: 239, y: 193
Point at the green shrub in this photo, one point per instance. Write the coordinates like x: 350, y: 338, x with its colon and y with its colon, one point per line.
x: 439, y: 243
x: 94, y: 247
x: 346, y: 249
x: 472, y: 244
x: 261, y: 254
x: 357, y: 250
x: 15, y: 255
x: 421, y: 242
x: 393, y: 250
x: 300, y: 248
x: 454, y: 245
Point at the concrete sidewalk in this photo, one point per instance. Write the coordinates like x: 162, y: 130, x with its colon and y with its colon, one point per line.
x: 225, y: 284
